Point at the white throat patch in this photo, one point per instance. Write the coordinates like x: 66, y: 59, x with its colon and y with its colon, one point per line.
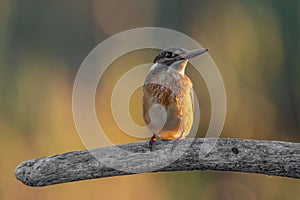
x: 153, y: 66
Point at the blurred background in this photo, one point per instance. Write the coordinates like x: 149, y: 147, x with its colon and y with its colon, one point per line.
x: 255, y: 45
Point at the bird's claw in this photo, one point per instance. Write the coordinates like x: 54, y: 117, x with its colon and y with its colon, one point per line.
x: 151, y: 142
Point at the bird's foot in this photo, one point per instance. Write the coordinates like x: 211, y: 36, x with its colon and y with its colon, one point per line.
x: 151, y: 142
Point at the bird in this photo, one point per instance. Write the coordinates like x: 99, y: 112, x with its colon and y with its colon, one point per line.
x: 168, y: 97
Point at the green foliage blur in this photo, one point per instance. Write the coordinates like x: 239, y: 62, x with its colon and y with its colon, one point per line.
x: 254, y: 43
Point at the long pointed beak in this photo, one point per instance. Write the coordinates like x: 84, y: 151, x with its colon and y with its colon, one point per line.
x: 193, y: 53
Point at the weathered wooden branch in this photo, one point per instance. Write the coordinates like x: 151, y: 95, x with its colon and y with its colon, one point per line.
x: 265, y: 157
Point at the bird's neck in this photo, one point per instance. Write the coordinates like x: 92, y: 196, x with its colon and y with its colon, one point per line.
x: 179, y: 66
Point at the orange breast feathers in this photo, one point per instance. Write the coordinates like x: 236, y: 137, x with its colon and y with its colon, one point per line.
x: 168, y: 108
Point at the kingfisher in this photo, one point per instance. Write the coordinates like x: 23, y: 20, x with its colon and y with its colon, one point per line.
x: 168, y: 97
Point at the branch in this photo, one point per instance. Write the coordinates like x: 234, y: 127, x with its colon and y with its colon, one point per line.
x: 264, y: 157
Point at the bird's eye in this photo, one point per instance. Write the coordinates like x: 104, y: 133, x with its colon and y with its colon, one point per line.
x: 168, y: 55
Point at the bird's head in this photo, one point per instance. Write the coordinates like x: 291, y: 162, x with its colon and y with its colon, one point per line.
x: 177, y: 57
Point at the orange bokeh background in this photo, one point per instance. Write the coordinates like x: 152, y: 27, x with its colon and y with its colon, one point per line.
x: 255, y: 45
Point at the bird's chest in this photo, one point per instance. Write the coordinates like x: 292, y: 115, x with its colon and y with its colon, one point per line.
x: 167, y: 103
x: 171, y: 80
